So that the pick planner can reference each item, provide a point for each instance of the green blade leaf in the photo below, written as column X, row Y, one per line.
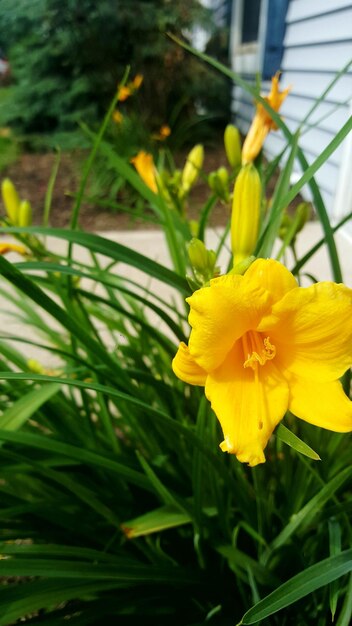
column 160, row 519
column 309, row 171
column 78, row 454
column 21, row 410
column 305, row 515
column 288, row 437
column 122, row 570
column 299, row 586
column 113, row 250
column 19, row 600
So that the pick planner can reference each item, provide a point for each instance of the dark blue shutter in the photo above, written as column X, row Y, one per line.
column 275, row 33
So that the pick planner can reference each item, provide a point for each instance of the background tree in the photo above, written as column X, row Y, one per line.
column 67, row 58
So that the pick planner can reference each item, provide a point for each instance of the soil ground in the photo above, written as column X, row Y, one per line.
column 31, row 173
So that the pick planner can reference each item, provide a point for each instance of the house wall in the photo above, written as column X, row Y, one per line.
column 317, row 44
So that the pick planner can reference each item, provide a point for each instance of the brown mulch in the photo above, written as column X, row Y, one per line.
column 31, row 173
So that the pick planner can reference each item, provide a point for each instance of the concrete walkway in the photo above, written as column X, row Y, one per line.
column 152, row 244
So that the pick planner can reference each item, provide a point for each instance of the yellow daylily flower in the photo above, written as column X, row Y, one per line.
column 12, row 247
column 128, row 90
column 124, row 93
column 262, row 122
column 164, row 133
column 117, row 116
column 144, row 164
column 262, row 345
column 137, row 81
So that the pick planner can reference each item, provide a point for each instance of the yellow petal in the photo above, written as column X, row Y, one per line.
column 145, row 167
column 272, row 276
column 117, row 116
column 248, row 403
column 12, row 247
column 124, row 93
column 313, row 331
column 262, row 121
column 255, row 138
column 276, row 97
column 137, row 81
column 186, row 368
column 321, row 404
column 222, row 313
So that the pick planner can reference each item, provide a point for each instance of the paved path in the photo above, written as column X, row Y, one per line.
column 152, row 244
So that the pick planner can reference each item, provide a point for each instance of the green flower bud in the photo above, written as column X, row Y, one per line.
column 245, row 213
column 35, row 366
column 24, row 213
column 219, row 183
column 194, row 227
column 233, row 149
column 241, row 267
column 10, row 199
column 202, row 261
column 160, row 181
column 286, row 223
column 302, row 213
column 223, row 176
column 212, row 181
column 198, row 255
column 192, row 168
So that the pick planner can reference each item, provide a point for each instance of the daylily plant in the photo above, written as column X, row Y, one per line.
column 262, row 122
column 262, row 345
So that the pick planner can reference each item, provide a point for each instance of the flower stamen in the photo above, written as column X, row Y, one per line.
column 257, row 350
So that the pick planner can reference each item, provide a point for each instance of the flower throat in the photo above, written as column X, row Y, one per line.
column 256, row 349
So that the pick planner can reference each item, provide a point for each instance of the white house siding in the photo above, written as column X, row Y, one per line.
column 317, row 44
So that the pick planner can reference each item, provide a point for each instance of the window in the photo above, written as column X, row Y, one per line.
column 258, row 29
column 250, row 20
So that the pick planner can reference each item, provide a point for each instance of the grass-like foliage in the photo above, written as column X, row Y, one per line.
column 117, row 505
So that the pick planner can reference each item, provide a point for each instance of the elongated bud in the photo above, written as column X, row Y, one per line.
column 198, row 254
column 289, row 226
column 35, row 366
column 223, row 176
column 202, row 261
column 24, row 213
column 302, row 214
column 286, row 224
column 212, row 181
column 161, row 186
column 192, row 168
column 219, row 183
column 233, row 149
column 194, row 227
column 10, row 199
column 245, row 213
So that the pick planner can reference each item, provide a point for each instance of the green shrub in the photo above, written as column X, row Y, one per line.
column 67, row 58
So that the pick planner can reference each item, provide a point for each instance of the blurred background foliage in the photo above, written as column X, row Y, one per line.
column 66, row 60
